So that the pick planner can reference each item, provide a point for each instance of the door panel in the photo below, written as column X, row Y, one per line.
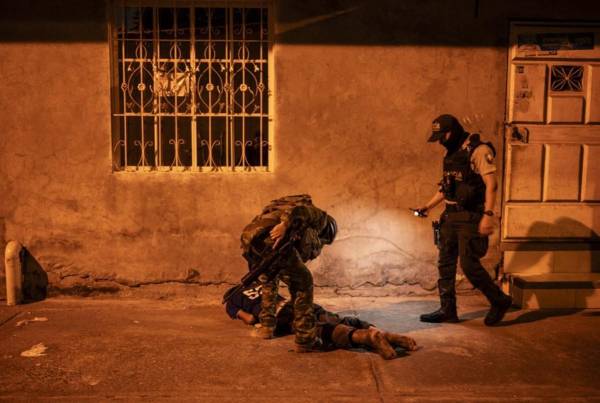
column 593, row 110
column 528, row 93
column 591, row 173
column 526, row 165
column 550, row 41
column 550, row 221
column 565, row 109
column 561, row 174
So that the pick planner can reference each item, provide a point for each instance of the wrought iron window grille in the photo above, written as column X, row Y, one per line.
column 192, row 88
column 566, row 78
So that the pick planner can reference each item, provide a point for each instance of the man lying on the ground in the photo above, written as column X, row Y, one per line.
column 333, row 331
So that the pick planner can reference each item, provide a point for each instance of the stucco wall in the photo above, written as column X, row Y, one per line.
column 356, row 90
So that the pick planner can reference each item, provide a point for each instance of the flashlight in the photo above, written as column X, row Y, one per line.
column 419, row 212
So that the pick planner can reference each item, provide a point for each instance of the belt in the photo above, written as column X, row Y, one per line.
column 455, row 208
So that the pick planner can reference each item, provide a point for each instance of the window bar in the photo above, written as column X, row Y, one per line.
column 175, row 56
column 116, row 142
column 261, row 92
column 123, row 86
column 209, row 56
column 140, row 54
column 244, row 163
column 192, row 87
column 156, row 100
column 161, row 68
column 270, row 86
column 228, row 92
column 233, row 132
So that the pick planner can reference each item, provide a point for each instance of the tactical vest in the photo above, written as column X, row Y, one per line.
column 460, row 183
column 255, row 236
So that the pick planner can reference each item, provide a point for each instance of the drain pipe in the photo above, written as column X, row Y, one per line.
column 14, row 274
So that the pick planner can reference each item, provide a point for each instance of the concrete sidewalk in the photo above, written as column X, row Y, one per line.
column 188, row 350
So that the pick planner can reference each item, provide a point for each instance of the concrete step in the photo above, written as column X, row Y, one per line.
column 555, row 290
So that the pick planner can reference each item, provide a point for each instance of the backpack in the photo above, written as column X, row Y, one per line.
column 255, row 235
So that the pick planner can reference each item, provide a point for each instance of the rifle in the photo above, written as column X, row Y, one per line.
column 266, row 265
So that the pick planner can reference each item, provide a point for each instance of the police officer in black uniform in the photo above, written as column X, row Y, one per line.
column 468, row 188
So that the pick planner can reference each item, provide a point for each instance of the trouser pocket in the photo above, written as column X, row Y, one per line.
column 478, row 246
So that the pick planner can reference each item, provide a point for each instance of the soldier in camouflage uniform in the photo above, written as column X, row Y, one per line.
column 263, row 234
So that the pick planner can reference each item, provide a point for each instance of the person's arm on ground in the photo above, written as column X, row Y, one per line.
column 246, row 317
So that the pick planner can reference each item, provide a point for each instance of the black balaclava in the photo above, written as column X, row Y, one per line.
column 456, row 139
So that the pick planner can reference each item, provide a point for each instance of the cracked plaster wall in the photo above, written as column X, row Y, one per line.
column 350, row 127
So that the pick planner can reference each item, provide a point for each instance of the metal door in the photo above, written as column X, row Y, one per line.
column 551, row 194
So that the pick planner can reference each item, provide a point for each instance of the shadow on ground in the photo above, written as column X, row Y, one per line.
column 592, row 313
column 534, row 316
column 404, row 317
column 401, row 317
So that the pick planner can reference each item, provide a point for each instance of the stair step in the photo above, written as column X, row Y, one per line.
column 555, row 290
column 557, row 280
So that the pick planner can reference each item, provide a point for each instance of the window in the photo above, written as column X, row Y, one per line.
column 191, row 88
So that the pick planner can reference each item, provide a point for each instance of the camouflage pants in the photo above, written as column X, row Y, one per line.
column 299, row 280
column 334, row 330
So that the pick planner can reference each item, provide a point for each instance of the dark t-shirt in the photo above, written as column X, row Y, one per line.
column 248, row 301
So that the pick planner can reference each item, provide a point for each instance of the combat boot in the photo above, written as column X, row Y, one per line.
column 265, row 332
column 446, row 313
column 314, row 347
column 498, row 310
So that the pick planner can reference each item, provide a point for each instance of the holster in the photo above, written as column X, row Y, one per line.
column 436, row 226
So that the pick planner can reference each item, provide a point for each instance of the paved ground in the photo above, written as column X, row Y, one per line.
column 188, row 350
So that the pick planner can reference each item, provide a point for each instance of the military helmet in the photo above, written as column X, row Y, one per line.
column 328, row 233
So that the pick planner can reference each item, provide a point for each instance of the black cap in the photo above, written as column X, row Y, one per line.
column 443, row 124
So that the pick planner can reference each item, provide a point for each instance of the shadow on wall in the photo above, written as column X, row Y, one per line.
column 3, row 248
column 34, row 286
column 348, row 22
column 572, row 235
column 35, row 279
column 575, row 235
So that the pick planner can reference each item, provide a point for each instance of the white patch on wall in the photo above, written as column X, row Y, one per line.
column 170, row 83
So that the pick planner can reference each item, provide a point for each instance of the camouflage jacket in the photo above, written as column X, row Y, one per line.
column 255, row 236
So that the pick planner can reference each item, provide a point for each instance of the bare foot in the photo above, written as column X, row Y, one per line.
column 379, row 342
column 397, row 340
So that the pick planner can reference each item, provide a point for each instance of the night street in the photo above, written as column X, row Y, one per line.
column 187, row 349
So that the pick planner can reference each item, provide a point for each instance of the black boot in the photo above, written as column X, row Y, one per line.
column 499, row 301
column 498, row 309
column 447, row 313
